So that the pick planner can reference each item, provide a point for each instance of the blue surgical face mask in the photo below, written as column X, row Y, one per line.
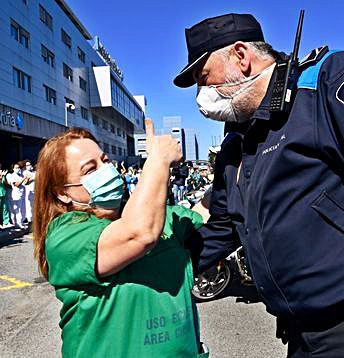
column 105, row 187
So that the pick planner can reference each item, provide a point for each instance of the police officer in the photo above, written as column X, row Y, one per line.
column 282, row 176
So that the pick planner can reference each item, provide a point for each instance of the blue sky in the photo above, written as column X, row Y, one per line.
column 146, row 38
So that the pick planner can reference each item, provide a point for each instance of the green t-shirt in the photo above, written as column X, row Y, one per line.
column 145, row 310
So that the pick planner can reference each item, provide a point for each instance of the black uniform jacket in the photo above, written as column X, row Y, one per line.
column 285, row 201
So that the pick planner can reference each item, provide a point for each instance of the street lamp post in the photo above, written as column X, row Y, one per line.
column 70, row 106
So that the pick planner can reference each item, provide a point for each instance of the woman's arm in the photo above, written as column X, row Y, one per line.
column 137, row 231
column 3, row 174
column 20, row 182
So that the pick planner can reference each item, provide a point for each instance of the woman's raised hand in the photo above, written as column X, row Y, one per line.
column 164, row 147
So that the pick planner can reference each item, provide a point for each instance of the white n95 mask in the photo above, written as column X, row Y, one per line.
column 215, row 105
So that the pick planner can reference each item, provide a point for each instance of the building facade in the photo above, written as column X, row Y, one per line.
column 54, row 75
column 140, row 138
column 140, row 145
column 187, row 137
column 170, row 122
column 173, row 125
column 191, row 144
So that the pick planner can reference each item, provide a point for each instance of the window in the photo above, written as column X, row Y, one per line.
column 81, row 55
column 131, row 109
column 14, row 30
column 21, row 79
column 112, row 128
column 114, row 88
column 45, row 17
column 67, row 72
column 82, row 83
column 66, row 39
column 105, row 124
column 20, row 34
column 24, row 38
column 106, row 147
column 50, row 94
column 84, row 113
column 114, row 149
column 119, row 131
column 126, row 106
column 119, row 150
column 24, row 2
column 69, row 108
column 48, row 56
column 95, row 120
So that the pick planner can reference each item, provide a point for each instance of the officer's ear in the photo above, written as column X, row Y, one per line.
column 243, row 54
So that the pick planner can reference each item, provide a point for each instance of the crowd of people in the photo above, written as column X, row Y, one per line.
column 187, row 178
column 16, row 195
column 17, row 188
column 129, row 175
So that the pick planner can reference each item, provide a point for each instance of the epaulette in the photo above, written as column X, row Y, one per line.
column 310, row 69
column 313, row 57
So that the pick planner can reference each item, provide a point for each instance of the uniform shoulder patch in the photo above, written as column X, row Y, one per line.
column 340, row 93
column 309, row 76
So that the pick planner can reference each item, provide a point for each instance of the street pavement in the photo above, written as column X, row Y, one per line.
column 234, row 326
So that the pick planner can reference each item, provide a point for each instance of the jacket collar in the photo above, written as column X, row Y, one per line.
column 263, row 111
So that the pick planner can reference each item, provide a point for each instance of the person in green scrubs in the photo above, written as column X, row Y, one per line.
column 4, row 212
column 124, row 278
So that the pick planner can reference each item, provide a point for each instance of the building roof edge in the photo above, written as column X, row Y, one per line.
column 68, row 11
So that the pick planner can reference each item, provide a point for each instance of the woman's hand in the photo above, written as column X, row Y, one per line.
column 164, row 148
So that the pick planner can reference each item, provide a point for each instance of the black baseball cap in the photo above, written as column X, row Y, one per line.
column 212, row 34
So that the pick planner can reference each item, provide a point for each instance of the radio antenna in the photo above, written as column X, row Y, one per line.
column 298, row 36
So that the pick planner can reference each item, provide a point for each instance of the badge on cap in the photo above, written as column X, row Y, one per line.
column 340, row 93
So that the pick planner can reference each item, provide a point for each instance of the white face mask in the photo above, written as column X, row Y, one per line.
column 215, row 105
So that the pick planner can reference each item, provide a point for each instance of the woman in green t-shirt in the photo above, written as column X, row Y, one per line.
column 124, row 280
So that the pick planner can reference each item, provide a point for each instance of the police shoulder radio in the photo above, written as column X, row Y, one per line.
column 287, row 76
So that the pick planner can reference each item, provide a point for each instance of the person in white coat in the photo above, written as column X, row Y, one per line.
column 17, row 196
column 29, row 173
